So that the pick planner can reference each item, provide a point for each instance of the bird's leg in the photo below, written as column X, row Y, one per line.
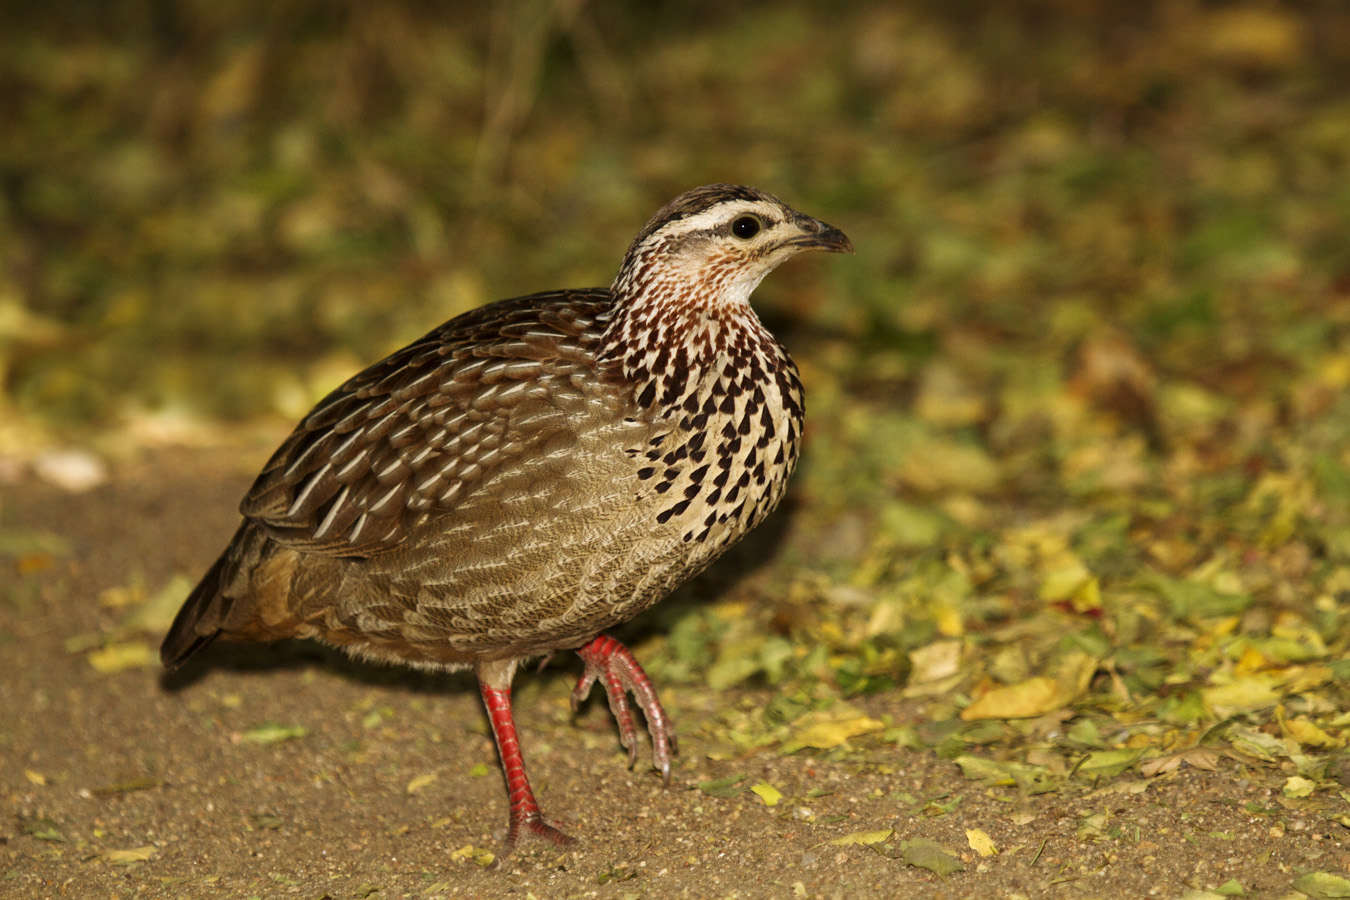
column 526, row 819
column 611, row 662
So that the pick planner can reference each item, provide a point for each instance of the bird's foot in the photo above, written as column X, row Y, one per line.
column 532, row 824
column 613, row 665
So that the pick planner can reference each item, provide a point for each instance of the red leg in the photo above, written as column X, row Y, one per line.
column 612, row 663
column 525, row 814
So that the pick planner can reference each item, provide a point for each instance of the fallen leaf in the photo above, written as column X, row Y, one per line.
column 1199, row 757
column 723, row 787
column 420, row 782
column 1028, row 778
column 119, row 657
column 862, row 837
column 825, row 735
column 1254, row 692
column 935, row 661
column 127, row 787
column 44, row 829
column 768, row 793
column 1323, row 886
column 1296, row 786
column 122, row 597
column 1107, row 763
column 271, row 733
column 1131, row 786
column 980, row 842
column 483, row 858
column 1308, row 734
column 1258, row 744
column 925, row 854
column 129, row 857
column 1023, row 700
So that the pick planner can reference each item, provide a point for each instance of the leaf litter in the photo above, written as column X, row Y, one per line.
column 1077, row 462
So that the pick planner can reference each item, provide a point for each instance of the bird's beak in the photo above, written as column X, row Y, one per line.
column 819, row 236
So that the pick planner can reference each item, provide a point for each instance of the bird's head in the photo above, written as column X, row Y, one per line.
column 713, row 245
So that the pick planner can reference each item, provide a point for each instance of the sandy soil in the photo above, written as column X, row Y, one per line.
column 397, row 772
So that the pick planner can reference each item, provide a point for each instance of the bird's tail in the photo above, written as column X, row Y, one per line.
column 204, row 612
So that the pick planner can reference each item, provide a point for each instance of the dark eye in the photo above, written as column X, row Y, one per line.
column 745, row 227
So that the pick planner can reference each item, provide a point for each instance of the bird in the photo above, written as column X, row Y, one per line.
column 530, row 474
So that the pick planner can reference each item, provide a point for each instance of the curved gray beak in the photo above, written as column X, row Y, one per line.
column 820, row 236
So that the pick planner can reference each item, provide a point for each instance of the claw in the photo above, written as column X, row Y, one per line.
column 582, row 690
column 534, row 825
column 613, row 665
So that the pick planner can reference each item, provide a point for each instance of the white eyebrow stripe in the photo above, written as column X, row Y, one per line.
column 714, row 216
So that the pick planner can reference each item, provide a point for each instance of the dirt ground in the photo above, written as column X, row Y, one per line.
column 138, row 784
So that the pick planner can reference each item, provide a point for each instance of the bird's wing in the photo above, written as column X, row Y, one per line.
column 410, row 436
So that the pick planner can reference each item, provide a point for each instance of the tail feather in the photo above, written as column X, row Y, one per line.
column 198, row 622
column 204, row 612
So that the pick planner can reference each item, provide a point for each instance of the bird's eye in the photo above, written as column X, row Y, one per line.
column 745, row 227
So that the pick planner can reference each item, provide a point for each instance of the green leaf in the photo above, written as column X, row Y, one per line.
column 925, row 854
column 1323, row 886
column 723, row 787
column 1030, row 779
column 1191, row 600
column 1107, row 763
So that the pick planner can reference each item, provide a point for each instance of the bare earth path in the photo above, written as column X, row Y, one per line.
column 123, row 783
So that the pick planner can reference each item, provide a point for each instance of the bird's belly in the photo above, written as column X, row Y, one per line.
column 539, row 562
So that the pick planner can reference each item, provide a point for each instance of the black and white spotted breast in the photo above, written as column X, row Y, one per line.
column 733, row 440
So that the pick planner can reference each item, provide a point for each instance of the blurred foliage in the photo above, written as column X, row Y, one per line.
column 1078, row 472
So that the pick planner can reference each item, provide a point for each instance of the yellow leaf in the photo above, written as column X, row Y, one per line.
column 863, row 838
column 272, row 733
column 127, row 857
column 768, row 793
column 980, row 842
column 1297, row 786
column 1065, row 583
column 950, row 622
column 482, row 857
column 831, row 733
column 1241, row 695
column 123, row 656
column 420, row 782
column 122, row 597
column 1298, row 679
column 35, row 777
column 1039, row 695
column 1308, row 734
column 1033, row 697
